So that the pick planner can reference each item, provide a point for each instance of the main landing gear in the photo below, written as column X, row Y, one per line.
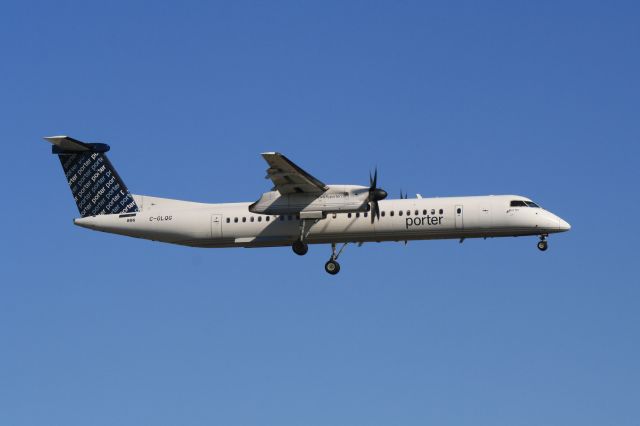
column 332, row 266
column 299, row 247
column 542, row 244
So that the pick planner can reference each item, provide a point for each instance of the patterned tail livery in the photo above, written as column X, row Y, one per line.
column 96, row 186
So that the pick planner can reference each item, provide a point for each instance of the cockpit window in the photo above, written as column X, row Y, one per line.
column 522, row 203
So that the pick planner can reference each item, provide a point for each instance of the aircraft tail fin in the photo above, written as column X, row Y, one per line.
column 96, row 186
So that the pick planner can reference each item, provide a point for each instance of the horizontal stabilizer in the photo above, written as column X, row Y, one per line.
column 68, row 145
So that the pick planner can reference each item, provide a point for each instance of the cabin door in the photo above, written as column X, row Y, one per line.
column 459, row 211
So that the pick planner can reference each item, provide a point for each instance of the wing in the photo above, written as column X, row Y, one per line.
column 288, row 178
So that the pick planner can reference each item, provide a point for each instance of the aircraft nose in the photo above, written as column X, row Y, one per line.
column 563, row 225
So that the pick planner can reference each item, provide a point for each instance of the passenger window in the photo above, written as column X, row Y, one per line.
column 349, row 215
column 441, row 211
column 235, row 220
column 399, row 212
column 424, row 212
column 459, row 210
column 335, row 215
column 417, row 212
column 290, row 217
column 244, row 219
column 408, row 212
column 228, row 220
column 259, row 218
column 391, row 213
column 358, row 214
column 382, row 213
column 366, row 214
column 433, row 211
column 281, row 218
column 251, row 219
column 267, row 218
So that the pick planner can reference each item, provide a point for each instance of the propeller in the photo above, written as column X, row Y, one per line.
column 403, row 196
column 375, row 194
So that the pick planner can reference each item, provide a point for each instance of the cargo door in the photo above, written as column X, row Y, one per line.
column 216, row 226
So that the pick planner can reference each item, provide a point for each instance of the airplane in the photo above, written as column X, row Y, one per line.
column 299, row 210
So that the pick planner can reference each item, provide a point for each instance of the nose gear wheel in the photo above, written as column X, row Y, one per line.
column 542, row 244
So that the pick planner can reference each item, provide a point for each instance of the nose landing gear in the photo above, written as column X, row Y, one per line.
column 542, row 244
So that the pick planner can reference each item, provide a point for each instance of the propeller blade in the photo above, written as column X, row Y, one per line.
column 374, row 185
column 375, row 210
column 372, row 210
column 375, row 194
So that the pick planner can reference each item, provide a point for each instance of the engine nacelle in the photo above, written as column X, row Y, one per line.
column 337, row 199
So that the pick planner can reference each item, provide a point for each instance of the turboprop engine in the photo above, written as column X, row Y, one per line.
column 336, row 199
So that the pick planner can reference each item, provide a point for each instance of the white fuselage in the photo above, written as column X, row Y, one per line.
column 233, row 225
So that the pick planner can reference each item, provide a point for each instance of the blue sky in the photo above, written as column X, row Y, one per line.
column 446, row 98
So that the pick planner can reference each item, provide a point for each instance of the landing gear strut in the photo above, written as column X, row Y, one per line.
column 542, row 244
column 299, row 246
column 332, row 266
